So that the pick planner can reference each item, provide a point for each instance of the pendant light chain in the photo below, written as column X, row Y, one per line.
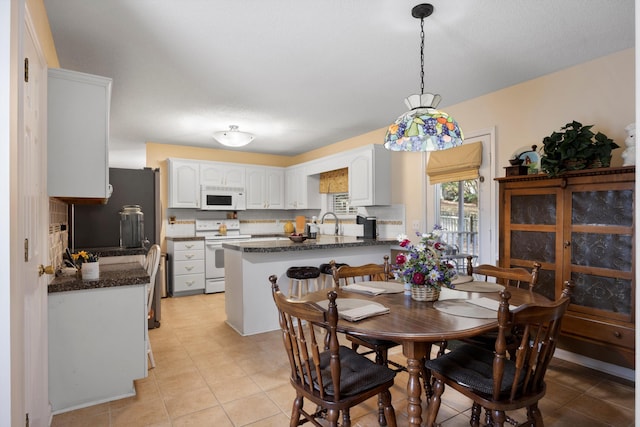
column 423, row 127
column 422, row 56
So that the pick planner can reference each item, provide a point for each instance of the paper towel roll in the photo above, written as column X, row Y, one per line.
column 301, row 221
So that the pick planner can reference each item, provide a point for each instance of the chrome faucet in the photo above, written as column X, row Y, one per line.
column 337, row 221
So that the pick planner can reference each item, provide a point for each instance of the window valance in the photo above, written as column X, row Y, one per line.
column 335, row 181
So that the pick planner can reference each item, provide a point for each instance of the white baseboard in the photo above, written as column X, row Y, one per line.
column 609, row 368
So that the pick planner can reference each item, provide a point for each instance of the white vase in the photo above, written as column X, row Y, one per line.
column 90, row 270
column 407, row 288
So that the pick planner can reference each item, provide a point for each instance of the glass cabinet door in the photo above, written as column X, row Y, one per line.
column 534, row 223
column 599, row 248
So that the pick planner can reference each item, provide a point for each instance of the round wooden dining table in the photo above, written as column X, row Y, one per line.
column 418, row 324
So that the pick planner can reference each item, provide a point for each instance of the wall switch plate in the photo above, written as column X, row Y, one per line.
column 416, row 225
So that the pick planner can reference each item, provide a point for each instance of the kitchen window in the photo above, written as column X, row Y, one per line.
column 339, row 204
column 466, row 206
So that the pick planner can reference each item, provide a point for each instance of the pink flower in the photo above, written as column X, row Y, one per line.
column 405, row 242
column 401, row 259
column 439, row 246
column 418, row 279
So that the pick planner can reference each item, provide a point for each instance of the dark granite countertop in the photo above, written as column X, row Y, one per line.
column 111, row 275
column 184, row 239
column 114, row 251
column 323, row 242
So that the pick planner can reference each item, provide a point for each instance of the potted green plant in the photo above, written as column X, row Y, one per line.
column 602, row 151
column 575, row 147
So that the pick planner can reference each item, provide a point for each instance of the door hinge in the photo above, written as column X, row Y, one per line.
column 26, row 70
column 26, row 421
column 26, row 250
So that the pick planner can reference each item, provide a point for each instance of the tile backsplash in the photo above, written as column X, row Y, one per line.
column 390, row 221
column 58, row 231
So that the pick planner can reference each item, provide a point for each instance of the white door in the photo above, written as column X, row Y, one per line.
column 476, row 230
column 33, row 228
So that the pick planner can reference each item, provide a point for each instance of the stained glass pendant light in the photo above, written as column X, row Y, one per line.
column 423, row 127
column 233, row 137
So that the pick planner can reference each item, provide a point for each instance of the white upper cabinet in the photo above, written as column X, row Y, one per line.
column 184, row 183
column 302, row 191
column 265, row 188
column 78, row 135
column 370, row 177
column 222, row 174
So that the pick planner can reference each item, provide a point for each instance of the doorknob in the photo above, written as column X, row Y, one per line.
column 567, row 243
column 45, row 270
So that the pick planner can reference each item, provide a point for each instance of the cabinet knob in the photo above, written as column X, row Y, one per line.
column 617, row 334
column 567, row 244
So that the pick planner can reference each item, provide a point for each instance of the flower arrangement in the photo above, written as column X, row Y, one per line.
column 421, row 265
column 83, row 256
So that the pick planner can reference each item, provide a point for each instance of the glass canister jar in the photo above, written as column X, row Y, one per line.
column 131, row 226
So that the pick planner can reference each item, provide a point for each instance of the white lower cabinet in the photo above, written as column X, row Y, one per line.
column 96, row 345
column 186, row 267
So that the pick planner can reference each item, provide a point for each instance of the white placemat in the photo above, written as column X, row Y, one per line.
column 489, row 303
column 461, row 307
column 375, row 287
column 352, row 309
column 478, row 287
column 461, row 278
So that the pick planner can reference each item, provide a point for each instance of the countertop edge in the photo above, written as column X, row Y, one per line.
column 111, row 275
column 310, row 244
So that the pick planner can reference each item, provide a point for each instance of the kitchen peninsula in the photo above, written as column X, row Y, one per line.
column 97, row 336
column 249, row 305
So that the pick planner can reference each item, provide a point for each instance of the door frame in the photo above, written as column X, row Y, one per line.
column 487, row 195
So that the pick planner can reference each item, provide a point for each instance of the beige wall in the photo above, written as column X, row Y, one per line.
column 599, row 92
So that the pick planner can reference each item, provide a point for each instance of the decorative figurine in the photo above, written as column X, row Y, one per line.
column 629, row 154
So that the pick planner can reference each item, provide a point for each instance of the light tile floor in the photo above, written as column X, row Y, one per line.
column 208, row 375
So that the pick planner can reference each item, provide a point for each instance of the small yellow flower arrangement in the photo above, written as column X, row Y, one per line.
column 83, row 256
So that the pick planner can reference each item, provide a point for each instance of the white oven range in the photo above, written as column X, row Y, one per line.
column 215, row 232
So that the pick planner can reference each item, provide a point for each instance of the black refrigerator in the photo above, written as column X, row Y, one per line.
column 98, row 226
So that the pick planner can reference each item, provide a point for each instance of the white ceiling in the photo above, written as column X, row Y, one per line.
column 301, row 74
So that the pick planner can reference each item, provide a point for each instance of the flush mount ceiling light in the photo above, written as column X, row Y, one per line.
column 233, row 137
column 423, row 128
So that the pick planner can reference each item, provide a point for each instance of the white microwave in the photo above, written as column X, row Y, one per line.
column 215, row 198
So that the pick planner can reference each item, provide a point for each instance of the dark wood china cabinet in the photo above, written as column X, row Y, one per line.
column 579, row 226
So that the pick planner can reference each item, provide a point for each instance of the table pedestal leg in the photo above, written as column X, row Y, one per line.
column 415, row 353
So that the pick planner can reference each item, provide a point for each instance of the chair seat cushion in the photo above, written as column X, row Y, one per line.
column 302, row 273
column 326, row 268
column 472, row 367
column 357, row 375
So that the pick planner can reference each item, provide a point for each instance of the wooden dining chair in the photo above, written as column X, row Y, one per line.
column 346, row 275
column 336, row 378
column 518, row 277
column 492, row 379
column 151, row 263
column 514, row 276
